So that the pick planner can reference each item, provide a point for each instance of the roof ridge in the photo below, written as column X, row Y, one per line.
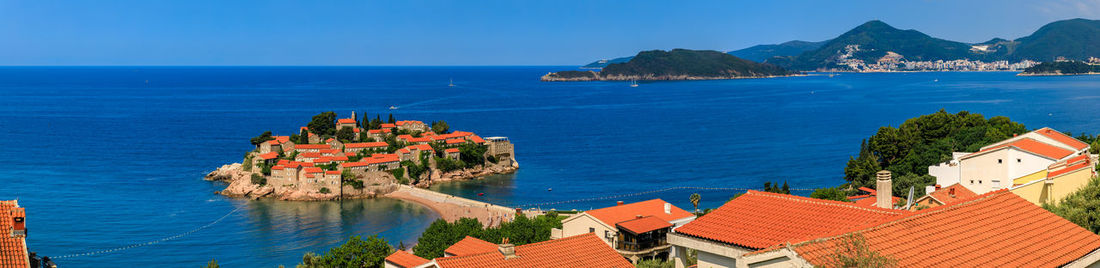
column 519, row 246
column 825, row 202
column 900, row 218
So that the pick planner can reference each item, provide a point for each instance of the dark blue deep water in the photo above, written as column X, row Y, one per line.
column 107, row 157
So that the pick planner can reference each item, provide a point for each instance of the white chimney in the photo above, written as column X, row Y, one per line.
column 507, row 249
column 668, row 208
column 884, row 194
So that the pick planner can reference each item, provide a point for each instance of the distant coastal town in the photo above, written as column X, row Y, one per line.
column 354, row 157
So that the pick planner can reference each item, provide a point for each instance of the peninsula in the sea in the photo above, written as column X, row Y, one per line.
column 677, row 64
column 1064, row 67
column 355, row 157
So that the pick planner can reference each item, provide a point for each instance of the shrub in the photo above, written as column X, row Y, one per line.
column 258, row 180
column 325, row 190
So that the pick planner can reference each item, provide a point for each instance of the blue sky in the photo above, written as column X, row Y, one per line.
column 519, row 32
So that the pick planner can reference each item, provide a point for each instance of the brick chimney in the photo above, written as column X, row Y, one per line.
column 884, row 192
column 18, row 223
column 508, row 249
column 668, row 208
column 938, row 187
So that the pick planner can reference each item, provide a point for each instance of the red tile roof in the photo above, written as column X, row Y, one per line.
column 403, row 122
column 470, row 245
column 309, row 155
column 13, row 252
column 376, row 131
column 282, row 139
column 948, row 197
column 451, row 150
column 1063, row 138
column 477, row 139
column 1071, row 168
column 455, row 141
column 758, row 219
column 345, row 121
column 872, row 199
column 388, row 125
column 312, row 146
column 998, row 229
column 405, row 259
column 382, row 158
column 1029, row 145
column 585, row 250
column 367, row 144
column 269, row 156
column 644, row 224
column 653, row 207
column 332, row 172
column 313, row 170
column 354, row 164
column 424, row 147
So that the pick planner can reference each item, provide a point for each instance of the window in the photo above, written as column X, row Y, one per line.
column 971, row 181
column 999, row 161
column 1019, row 160
column 996, row 184
column 591, row 230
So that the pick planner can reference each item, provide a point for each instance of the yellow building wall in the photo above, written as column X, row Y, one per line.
column 1035, row 193
column 1042, row 174
column 1069, row 183
column 1041, row 192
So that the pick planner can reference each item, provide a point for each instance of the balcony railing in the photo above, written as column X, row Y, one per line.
column 639, row 246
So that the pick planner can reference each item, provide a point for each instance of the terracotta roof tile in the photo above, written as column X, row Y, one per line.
column 758, row 219
column 653, row 207
column 312, row 146
column 948, row 197
column 388, row 125
column 451, row 150
column 470, row 245
column 13, row 252
column 1028, row 145
column 998, row 229
column 1063, row 138
column 585, row 250
column 644, row 224
column 269, row 156
column 376, row 144
column 345, row 121
column 405, row 259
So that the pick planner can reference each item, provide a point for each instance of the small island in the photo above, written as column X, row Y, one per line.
column 345, row 158
column 678, row 64
column 1063, row 67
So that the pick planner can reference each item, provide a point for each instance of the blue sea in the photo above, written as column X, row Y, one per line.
column 109, row 161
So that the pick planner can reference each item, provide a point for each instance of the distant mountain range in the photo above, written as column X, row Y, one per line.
column 677, row 64
column 1075, row 39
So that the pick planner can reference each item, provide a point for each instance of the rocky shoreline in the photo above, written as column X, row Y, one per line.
column 376, row 184
column 1056, row 74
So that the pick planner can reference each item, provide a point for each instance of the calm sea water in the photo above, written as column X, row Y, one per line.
column 107, row 157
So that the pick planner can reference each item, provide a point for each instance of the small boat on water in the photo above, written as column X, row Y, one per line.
column 393, row 107
column 452, row 84
column 633, row 83
column 480, row 194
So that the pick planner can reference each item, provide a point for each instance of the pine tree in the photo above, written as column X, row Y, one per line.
column 392, row 120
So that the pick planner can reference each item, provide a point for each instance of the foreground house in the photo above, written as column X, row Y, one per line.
column 997, row 229
column 404, row 259
column 469, row 246
column 636, row 230
column 585, row 250
column 758, row 220
column 13, row 234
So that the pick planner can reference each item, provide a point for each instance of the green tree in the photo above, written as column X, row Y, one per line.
column 392, row 120
column 303, row 137
column 440, row 127
column 695, row 197
column 356, row 252
column 212, row 264
column 266, row 136
column 376, row 123
column 346, row 134
column 258, row 180
column 323, row 124
column 654, row 263
column 830, row 193
column 520, row 231
column 853, row 250
column 1081, row 207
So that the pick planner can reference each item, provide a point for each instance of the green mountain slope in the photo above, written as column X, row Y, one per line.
column 677, row 64
column 874, row 39
column 759, row 53
column 1074, row 39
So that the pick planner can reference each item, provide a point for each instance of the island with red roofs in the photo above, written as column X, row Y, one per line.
column 354, row 157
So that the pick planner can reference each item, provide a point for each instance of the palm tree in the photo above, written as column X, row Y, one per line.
column 695, row 201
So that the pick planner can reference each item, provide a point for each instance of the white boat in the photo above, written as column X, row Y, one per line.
column 633, row 83
column 393, row 107
column 452, row 84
